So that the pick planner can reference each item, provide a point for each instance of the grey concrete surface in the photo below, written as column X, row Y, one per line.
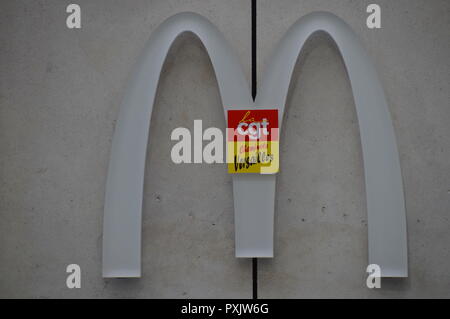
column 59, row 96
column 320, row 219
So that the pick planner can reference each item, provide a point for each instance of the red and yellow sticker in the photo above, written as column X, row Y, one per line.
column 252, row 141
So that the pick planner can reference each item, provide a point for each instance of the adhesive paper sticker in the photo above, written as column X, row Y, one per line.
column 252, row 141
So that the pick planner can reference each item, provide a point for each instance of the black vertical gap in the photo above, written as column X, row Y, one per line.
column 254, row 260
column 253, row 49
column 255, row 277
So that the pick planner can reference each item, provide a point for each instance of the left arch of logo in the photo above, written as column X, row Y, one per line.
column 254, row 195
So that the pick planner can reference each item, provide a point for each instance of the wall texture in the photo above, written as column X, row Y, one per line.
column 59, row 97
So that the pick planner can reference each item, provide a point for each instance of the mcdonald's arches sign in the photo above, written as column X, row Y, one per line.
column 254, row 194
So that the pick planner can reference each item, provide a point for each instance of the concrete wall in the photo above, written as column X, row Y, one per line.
column 60, row 93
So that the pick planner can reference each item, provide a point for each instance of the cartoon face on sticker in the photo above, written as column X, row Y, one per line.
column 252, row 141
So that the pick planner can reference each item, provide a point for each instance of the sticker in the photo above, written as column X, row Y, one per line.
column 252, row 141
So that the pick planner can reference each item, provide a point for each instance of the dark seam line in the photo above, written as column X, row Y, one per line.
column 254, row 260
column 253, row 49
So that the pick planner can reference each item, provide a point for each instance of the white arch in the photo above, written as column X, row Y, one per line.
column 384, row 186
column 254, row 195
column 124, row 186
